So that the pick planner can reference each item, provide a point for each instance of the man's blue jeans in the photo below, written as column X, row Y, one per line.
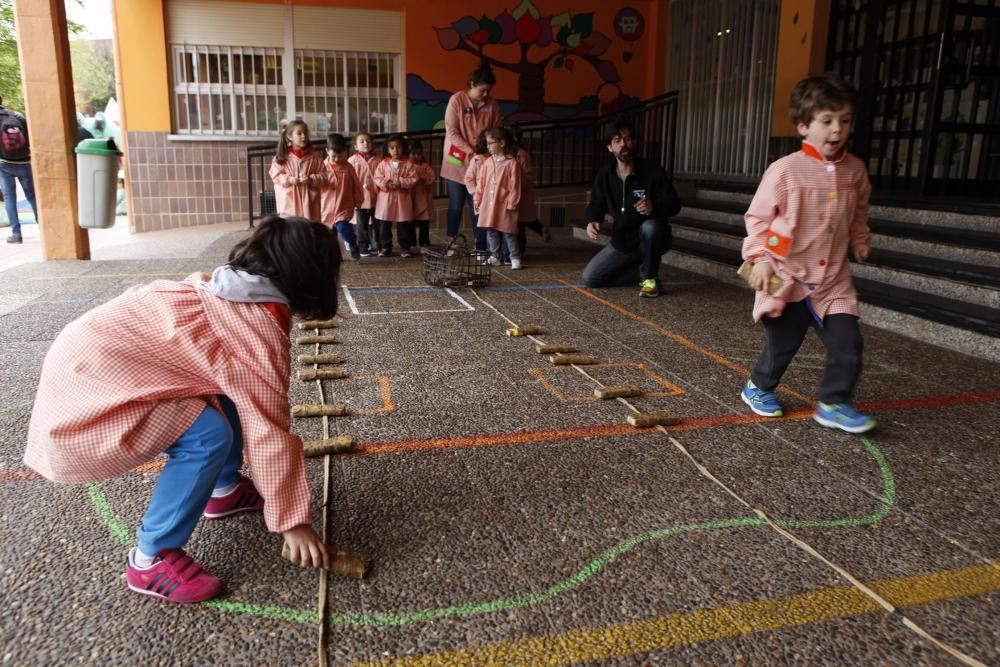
column 8, row 172
column 612, row 267
column 458, row 196
column 206, row 457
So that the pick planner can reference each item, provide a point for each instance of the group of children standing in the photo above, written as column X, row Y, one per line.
column 363, row 194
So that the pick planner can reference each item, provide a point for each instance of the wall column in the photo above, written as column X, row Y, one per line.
column 802, row 36
column 43, row 50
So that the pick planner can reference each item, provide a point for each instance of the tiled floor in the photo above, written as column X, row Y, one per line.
column 510, row 520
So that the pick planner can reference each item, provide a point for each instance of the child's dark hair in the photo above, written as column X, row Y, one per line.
column 501, row 132
column 820, row 92
column 301, row 258
column 414, row 145
column 482, row 75
column 614, row 129
column 395, row 137
column 480, row 147
column 336, row 142
column 516, row 136
column 282, row 153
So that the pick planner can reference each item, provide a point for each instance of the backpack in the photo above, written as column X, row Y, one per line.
column 13, row 136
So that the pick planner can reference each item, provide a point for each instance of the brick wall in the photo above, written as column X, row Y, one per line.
column 185, row 183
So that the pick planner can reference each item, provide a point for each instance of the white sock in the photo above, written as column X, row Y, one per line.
column 138, row 559
column 225, row 490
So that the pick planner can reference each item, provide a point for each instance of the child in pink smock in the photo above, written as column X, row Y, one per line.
column 497, row 196
column 342, row 194
column 810, row 210
column 395, row 178
column 423, row 194
column 197, row 370
column 364, row 161
column 298, row 175
column 527, row 213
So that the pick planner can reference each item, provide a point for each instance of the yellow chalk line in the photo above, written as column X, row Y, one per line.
column 665, row 632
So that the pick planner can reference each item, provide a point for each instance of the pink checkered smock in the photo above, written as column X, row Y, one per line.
column 807, row 213
column 121, row 383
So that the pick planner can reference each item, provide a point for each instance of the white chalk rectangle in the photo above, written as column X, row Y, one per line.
column 354, row 306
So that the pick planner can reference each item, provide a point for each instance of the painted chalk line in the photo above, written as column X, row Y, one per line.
column 809, row 549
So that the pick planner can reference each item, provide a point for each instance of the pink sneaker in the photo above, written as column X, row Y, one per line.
column 175, row 577
column 244, row 498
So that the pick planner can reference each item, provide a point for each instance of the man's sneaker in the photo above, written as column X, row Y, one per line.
column 14, row 239
column 649, row 288
column 384, row 252
column 405, row 254
column 244, row 498
column 492, row 261
column 175, row 577
column 355, row 256
column 764, row 403
column 844, row 417
column 515, row 264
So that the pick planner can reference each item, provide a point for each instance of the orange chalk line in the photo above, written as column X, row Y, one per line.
column 596, row 430
column 681, row 339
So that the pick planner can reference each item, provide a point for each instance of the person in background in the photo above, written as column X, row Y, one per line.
column 15, row 164
column 498, row 194
column 395, row 178
column 298, row 174
column 469, row 112
column 364, row 161
column 640, row 197
column 342, row 194
column 423, row 195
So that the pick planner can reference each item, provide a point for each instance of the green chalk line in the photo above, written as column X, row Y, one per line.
column 384, row 619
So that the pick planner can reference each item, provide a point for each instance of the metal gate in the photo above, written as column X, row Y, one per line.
column 722, row 58
column 929, row 76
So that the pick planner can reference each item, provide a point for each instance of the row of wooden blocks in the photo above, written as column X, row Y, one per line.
column 565, row 355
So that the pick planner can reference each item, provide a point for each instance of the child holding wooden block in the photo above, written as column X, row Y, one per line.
column 195, row 370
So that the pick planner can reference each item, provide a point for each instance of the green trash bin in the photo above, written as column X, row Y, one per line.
column 96, row 182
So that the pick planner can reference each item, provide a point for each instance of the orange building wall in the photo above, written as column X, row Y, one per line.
column 801, row 51
column 143, row 84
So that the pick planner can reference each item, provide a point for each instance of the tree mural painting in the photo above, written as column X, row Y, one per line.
column 566, row 39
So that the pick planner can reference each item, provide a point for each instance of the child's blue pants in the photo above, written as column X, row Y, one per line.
column 207, row 456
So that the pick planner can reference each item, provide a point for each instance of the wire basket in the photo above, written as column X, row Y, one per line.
column 454, row 265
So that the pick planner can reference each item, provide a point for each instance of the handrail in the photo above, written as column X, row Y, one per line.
column 564, row 152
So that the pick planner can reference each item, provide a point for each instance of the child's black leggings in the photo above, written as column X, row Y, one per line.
column 840, row 334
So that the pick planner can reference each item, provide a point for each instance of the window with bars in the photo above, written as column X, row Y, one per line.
column 223, row 90
column 347, row 91
column 240, row 91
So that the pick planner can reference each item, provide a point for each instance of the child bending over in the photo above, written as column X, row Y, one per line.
column 196, row 370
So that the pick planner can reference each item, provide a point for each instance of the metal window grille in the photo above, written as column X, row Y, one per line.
column 347, row 91
column 722, row 62
column 223, row 90
column 239, row 91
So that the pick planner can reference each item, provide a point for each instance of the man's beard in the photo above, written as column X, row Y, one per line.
column 624, row 156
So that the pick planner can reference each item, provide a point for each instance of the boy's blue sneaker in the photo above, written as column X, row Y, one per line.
column 844, row 417
column 764, row 403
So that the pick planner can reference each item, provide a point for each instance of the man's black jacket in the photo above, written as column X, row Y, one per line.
column 617, row 197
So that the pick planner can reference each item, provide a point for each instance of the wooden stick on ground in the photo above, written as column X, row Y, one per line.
column 618, row 391
column 316, row 340
column 316, row 324
column 320, row 359
column 525, row 330
column 568, row 359
column 323, row 374
column 650, row 419
column 320, row 410
column 341, row 443
column 553, row 348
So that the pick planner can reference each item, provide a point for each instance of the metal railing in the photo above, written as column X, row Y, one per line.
column 564, row 153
